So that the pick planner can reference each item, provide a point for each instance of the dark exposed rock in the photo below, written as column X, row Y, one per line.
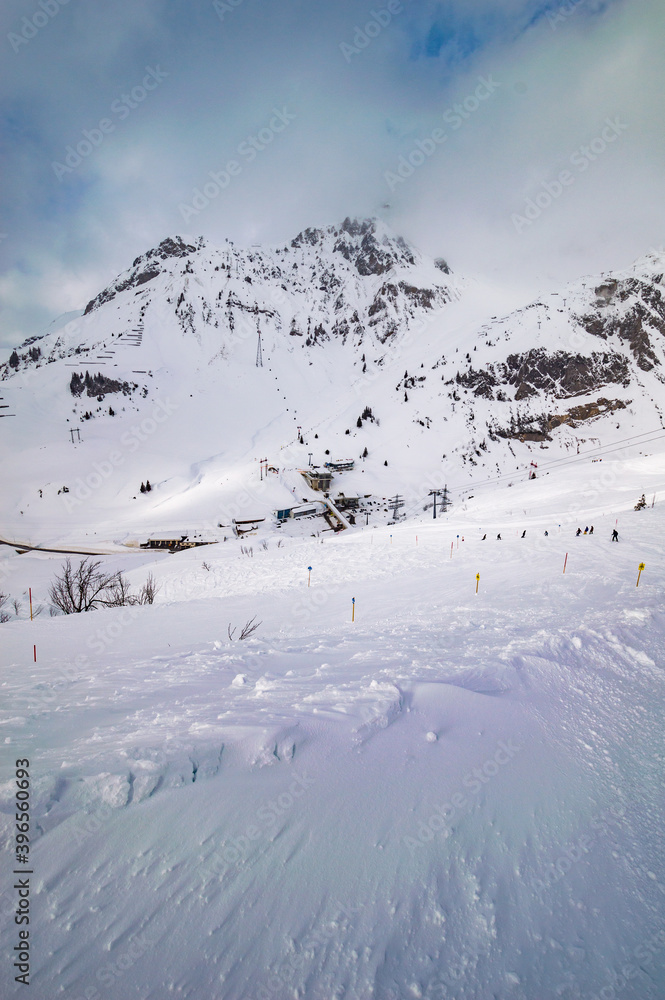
column 538, row 427
column 646, row 316
column 144, row 269
column 560, row 374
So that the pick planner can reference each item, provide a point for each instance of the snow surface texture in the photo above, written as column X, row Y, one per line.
column 456, row 795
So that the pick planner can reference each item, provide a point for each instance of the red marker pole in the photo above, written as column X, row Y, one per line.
column 451, row 549
column 564, row 562
column 34, row 652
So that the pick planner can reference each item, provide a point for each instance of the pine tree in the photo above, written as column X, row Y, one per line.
column 142, row 487
column 13, row 359
column 148, row 487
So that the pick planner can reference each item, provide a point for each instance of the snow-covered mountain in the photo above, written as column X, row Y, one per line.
column 369, row 349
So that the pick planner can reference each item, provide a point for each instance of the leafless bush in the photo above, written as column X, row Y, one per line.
column 4, row 615
column 118, row 594
column 87, row 588
column 148, row 591
column 204, row 565
column 247, row 629
column 82, row 589
column 16, row 604
column 264, row 545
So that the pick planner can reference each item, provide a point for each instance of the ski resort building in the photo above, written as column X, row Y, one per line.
column 176, row 540
column 317, row 479
column 341, row 465
column 298, row 511
column 347, row 503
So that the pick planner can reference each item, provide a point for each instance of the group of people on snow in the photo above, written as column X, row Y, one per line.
column 587, row 531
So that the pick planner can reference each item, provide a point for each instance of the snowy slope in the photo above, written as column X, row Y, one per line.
column 457, row 385
column 456, row 795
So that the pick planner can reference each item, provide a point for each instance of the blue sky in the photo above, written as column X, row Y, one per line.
column 363, row 87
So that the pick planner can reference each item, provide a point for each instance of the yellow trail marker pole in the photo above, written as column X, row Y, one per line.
column 477, row 581
column 639, row 573
column 353, row 609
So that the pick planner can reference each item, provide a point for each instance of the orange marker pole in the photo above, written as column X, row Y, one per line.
column 564, row 562
column 353, row 609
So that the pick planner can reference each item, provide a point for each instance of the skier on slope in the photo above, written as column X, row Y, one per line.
column 498, row 538
column 615, row 535
column 524, row 533
column 578, row 533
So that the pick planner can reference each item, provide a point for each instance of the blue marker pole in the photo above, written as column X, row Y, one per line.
column 353, row 609
column 309, row 576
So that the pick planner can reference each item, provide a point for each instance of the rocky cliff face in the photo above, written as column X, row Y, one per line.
column 355, row 305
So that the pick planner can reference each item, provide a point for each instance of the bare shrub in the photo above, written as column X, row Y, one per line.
column 118, row 594
column 148, row 591
column 82, row 589
column 249, row 627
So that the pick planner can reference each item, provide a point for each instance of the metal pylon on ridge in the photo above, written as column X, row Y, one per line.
column 259, row 352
